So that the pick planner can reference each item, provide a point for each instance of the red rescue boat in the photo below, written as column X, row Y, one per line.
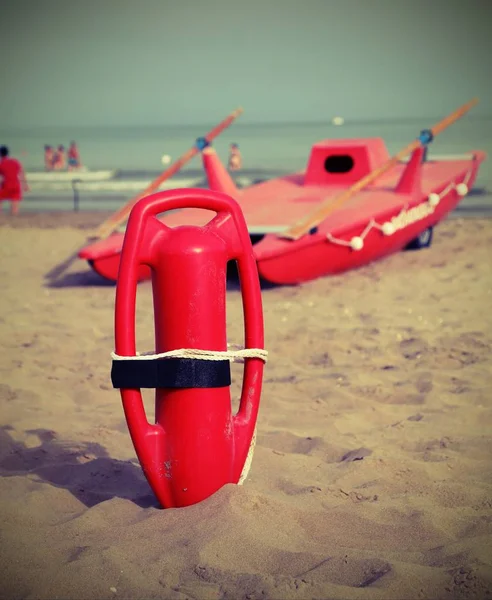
column 388, row 205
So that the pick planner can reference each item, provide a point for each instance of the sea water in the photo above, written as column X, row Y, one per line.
column 268, row 150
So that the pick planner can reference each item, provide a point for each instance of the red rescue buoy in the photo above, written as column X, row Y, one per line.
column 196, row 444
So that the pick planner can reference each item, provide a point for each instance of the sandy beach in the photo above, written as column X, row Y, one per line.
column 372, row 474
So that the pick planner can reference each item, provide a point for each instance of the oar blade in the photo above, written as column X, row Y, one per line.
column 58, row 270
column 450, row 119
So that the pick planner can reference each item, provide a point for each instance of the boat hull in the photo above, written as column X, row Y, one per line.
column 108, row 267
column 376, row 223
column 285, row 262
column 322, row 258
column 301, row 262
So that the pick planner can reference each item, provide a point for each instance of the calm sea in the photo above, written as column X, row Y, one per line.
column 268, row 150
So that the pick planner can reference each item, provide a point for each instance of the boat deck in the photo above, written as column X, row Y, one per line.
column 273, row 206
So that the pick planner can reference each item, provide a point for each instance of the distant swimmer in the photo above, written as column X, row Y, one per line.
column 48, row 157
column 13, row 180
column 73, row 157
column 59, row 159
column 235, row 159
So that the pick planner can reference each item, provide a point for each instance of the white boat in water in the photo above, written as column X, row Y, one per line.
column 68, row 176
column 122, row 186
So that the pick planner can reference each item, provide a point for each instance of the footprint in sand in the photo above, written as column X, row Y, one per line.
column 413, row 392
column 413, row 348
column 470, row 582
column 284, row 442
column 321, row 360
column 287, row 443
column 7, row 393
column 454, row 351
column 459, row 386
column 402, row 398
column 350, row 572
column 440, row 556
column 423, row 383
column 403, row 393
column 345, row 571
column 436, row 445
column 292, row 489
column 357, row 454
column 77, row 552
column 21, row 397
column 251, row 586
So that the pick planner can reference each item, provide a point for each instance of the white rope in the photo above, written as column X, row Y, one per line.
column 233, row 355
column 447, row 189
column 248, row 461
column 335, row 240
column 372, row 223
column 388, row 228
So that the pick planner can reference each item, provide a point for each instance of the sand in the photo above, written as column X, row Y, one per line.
column 372, row 475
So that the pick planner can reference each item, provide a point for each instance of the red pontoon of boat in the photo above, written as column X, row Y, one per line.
column 399, row 209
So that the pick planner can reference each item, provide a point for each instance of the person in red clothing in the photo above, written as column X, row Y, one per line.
column 13, row 180
column 73, row 157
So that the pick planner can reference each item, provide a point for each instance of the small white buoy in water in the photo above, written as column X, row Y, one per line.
column 338, row 120
column 166, row 159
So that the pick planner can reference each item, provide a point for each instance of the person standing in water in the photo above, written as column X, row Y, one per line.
column 73, row 157
column 13, row 180
column 59, row 161
column 48, row 157
column 235, row 159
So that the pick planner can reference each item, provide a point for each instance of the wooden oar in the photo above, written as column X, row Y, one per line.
column 120, row 216
column 328, row 206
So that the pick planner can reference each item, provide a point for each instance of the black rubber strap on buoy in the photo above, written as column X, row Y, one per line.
column 170, row 373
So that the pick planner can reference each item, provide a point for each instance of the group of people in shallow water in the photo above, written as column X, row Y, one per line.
column 13, row 181
column 56, row 159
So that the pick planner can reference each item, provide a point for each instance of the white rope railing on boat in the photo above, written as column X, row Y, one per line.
column 406, row 216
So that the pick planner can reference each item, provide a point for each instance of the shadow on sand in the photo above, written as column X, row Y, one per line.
column 84, row 469
column 90, row 278
column 87, row 278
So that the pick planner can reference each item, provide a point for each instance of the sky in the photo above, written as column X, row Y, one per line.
column 160, row 62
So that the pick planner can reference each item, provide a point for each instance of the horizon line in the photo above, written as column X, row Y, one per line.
column 348, row 120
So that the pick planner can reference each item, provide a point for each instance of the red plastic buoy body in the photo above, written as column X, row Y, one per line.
column 196, row 444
